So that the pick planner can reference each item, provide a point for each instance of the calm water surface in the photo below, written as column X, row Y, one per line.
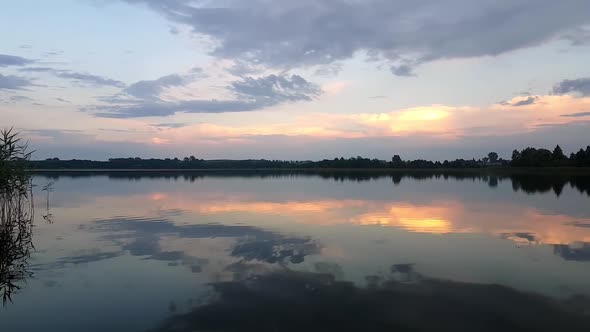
column 136, row 253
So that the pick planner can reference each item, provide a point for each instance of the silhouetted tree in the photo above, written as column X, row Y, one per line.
column 558, row 154
column 515, row 155
column 531, row 157
column 493, row 156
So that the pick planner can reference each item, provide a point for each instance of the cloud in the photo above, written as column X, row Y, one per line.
column 174, row 30
column 11, row 82
column 402, row 70
column 329, row 70
column 250, row 94
column 580, row 85
column 80, row 78
column 53, row 53
column 528, row 101
column 63, row 100
column 56, row 133
column 412, row 127
column 579, row 37
column 150, row 90
column 37, row 69
column 160, row 108
column 520, row 101
column 575, row 115
column 15, row 99
column 290, row 34
column 93, row 80
column 275, row 89
column 11, row 60
column 170, row 125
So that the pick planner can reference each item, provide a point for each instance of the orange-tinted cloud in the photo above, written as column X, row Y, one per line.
column 438, row 121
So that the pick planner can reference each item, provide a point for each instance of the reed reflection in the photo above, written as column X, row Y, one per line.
column 16, row 233
column 16, row 215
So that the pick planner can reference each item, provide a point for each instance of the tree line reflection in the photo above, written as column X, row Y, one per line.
column 528, row 182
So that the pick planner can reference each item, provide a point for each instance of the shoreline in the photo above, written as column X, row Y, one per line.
column 491, row 170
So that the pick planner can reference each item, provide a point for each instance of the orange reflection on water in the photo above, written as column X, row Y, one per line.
column 520, row 223
column 422, row 219
column 289, row 207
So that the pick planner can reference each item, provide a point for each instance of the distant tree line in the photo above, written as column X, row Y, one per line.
column 194, row 163
column 529, row 157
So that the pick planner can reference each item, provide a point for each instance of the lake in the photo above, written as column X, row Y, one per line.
column 284, row 251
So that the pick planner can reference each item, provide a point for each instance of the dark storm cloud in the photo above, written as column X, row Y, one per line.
column 580, row 85
column 11, row 82
column 574, row 115
column 12, row 60
column 251, row 94
column 290, row 34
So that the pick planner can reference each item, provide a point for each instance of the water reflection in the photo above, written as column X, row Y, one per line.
column 308, row 301
column 531, row 183
column 522, row 224
column 142, row 237
column 579, row 251
column 311, row 251
column 16, row 232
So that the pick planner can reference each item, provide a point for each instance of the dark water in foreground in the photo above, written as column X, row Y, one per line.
column 132, row 252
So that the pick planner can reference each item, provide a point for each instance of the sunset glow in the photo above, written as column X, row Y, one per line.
column 200, row 92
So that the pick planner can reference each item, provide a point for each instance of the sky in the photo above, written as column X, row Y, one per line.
column 295, row 79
